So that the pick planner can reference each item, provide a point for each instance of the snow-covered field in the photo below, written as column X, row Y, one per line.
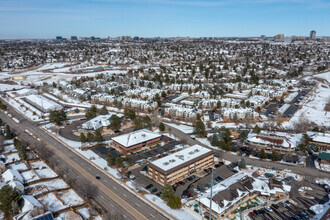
column 313, row 109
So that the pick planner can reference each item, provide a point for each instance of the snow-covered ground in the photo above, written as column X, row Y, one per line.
column 179, row 214
column 320, row 210
column 325, row 76
column 184, row 128
column 7, row 87
column 325, row 167
column 313, row 109
column 47, row 186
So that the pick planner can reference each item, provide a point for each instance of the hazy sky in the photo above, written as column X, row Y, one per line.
column 165, row 18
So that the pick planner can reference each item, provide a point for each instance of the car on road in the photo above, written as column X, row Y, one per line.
column 154, row 190
column 149, row 186
column 97, row 177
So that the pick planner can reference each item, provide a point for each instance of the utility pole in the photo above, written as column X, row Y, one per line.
column 211, row 194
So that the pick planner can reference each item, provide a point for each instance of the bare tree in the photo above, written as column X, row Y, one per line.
column 87, row 190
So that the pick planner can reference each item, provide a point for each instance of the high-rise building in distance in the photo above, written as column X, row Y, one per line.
column 312, row 35
column 74, row 38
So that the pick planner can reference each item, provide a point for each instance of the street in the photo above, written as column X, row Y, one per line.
column 111, row 195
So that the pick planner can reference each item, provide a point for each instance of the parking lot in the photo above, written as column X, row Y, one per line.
column 192, row 186
column 103, row 150
column 295, row 209
column 154, row 151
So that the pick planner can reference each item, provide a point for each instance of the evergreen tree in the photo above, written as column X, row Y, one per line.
column 9, row 135
column 256, row 129
column 104, row 110
column 110, row 159
column 98, row 136
column 83, row 138
column 243, row 135
column 200, row 128
column 167, row 192
column 90, row 137
column 242, row 163
column 262, row 154
column 129, row 114
column 119, row 162
column 115, row 122
column 275, row 156
column 8, row 197
column 161, row 126
column 215, row 140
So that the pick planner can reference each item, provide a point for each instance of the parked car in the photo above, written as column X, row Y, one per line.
column 97, row 177
column 154, row 190
column 149, row 186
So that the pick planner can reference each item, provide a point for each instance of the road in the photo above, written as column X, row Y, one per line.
column 111, row 195
column 306, row 171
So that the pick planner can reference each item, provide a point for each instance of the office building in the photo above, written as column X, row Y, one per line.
column 180, row 165
column 136, row 139
column 74, row 38
column 312, row 35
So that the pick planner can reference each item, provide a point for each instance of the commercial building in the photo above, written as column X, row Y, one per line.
column 180, row 165
column 42, row 103
column 320, row 140
column 136, row 139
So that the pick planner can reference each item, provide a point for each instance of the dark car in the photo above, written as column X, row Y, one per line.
column 97, row 177
column 149, row 186
column 154, row 190
column 158, row 194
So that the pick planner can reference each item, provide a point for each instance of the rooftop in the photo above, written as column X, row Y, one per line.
column 180, row 157
column 135, row 137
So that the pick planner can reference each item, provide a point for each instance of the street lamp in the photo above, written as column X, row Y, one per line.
column 212, row 168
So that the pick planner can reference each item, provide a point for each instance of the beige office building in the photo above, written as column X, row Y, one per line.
column 180, row 165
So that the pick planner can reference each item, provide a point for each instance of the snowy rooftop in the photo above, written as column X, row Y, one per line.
column 321, row 137
column 136, row 137
column 180, row 157
column 44, row 102
column 99, row 121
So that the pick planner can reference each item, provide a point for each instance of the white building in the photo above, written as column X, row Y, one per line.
column 98, row 122
column 43, row 103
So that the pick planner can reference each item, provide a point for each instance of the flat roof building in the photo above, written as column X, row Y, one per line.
column 42, row 103
column 136, row 139
column 180, row 165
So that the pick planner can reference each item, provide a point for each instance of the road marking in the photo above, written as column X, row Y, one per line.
column 124, row 195
column 116, row 196
column 152, row 215
column 102, row 197
column 111, row 205
column 114, row 187
column 105, row 181
column 89, row 169
column 138, row 204
column 124, row 215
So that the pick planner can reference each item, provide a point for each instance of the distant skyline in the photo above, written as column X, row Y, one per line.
column 36, row 19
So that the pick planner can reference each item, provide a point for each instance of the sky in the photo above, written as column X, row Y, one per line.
column 36, row 19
